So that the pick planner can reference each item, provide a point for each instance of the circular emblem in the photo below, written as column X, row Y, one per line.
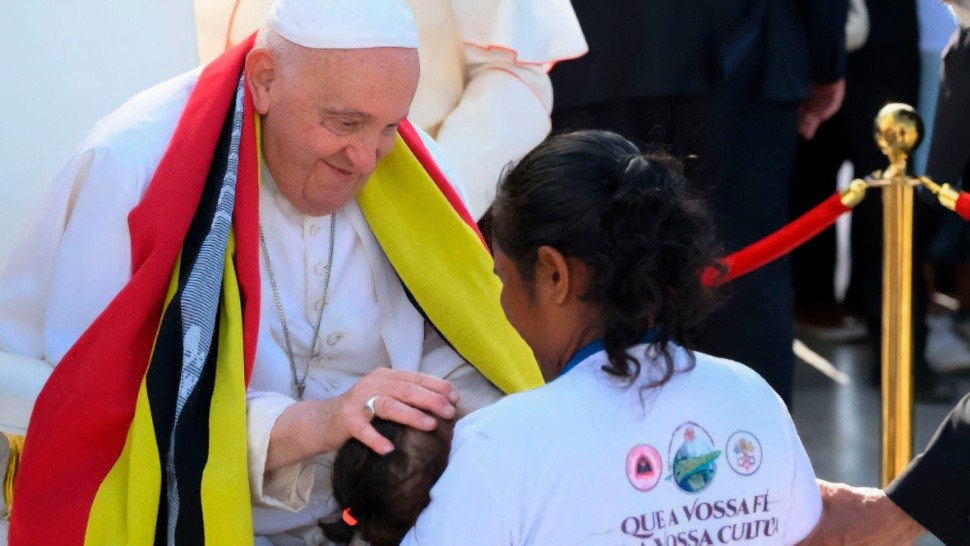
column 693, row 459
column 643, row 467
column 743, row 453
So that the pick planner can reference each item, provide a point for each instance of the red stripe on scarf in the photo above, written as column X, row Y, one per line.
column 246, row 225
column 420, row 151
column 81, row 418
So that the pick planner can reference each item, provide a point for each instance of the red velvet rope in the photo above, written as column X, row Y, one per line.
column 781, row 242
column 963, row 205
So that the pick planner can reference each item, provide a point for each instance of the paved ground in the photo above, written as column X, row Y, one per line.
column 839, row 423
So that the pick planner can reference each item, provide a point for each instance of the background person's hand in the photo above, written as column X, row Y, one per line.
column 861, row 516
column 822, row 103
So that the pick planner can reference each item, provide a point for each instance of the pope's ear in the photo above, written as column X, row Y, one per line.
column 260, row 71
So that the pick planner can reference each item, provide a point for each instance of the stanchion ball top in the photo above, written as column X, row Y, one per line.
column 898, row 129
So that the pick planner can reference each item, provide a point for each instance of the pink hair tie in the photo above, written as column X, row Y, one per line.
column 349, row 519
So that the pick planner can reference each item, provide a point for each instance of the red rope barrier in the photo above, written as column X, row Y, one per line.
column 780, row 242
column 963, row 205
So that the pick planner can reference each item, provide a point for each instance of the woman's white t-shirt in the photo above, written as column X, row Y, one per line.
column 711, row 457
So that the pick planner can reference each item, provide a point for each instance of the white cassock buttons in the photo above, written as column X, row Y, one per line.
column 314, row 229
column 334, row 338
column 320, row 269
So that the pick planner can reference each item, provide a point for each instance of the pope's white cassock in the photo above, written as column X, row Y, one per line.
column 76, row 257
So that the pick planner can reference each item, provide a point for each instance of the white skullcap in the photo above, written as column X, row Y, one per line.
column 345, row 24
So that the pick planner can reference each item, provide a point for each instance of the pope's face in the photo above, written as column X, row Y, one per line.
column 329, row 116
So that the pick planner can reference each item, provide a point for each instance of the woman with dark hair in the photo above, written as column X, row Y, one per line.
column 636, row 439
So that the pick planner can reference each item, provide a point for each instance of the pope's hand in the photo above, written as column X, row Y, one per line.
column 309, row 428
column 403, row 397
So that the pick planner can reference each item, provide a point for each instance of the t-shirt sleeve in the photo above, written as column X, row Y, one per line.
column 473, row 502
column 804, row 500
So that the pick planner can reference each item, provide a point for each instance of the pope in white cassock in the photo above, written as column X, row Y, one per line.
column 484, row 93
column 234, row 273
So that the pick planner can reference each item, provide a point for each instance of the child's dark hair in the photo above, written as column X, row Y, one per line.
column 385, row 494
column 631, row 218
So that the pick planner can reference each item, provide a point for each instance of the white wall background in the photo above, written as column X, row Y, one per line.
column 66, row 64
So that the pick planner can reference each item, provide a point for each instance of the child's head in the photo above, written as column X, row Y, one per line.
column 385, row 494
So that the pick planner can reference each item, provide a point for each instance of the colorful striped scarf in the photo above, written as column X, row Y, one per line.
column 139, row 436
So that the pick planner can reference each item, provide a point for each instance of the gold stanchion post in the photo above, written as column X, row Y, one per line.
column 898, row 130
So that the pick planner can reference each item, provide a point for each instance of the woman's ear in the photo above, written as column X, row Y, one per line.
column 553, row 278
column 260, row 71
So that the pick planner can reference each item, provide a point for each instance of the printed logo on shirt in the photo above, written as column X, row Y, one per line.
column 644, row 467
column 693, row 459
column 743, row 453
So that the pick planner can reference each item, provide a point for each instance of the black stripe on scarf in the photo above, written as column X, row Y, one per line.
column 162, row 380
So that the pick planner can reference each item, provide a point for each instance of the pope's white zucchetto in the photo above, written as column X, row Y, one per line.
column 345, row 24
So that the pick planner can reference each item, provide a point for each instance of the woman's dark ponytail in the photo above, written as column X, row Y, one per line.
column 632, row 218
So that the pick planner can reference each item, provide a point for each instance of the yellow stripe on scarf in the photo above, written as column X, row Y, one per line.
column 226, row 505
column 125, row 509
column 445, row 267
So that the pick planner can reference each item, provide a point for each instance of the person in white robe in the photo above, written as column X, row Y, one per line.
column 484, row 93
column 330, row 300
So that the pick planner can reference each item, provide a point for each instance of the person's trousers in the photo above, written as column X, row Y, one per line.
column 755, row 143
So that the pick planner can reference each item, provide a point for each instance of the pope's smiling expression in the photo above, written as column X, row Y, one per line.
column 328, row 117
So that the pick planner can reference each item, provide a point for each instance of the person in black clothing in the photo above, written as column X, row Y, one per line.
column 886, row 69
column 949, row 162
column 932, row 494
column 935, row 488
column 727, row 86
